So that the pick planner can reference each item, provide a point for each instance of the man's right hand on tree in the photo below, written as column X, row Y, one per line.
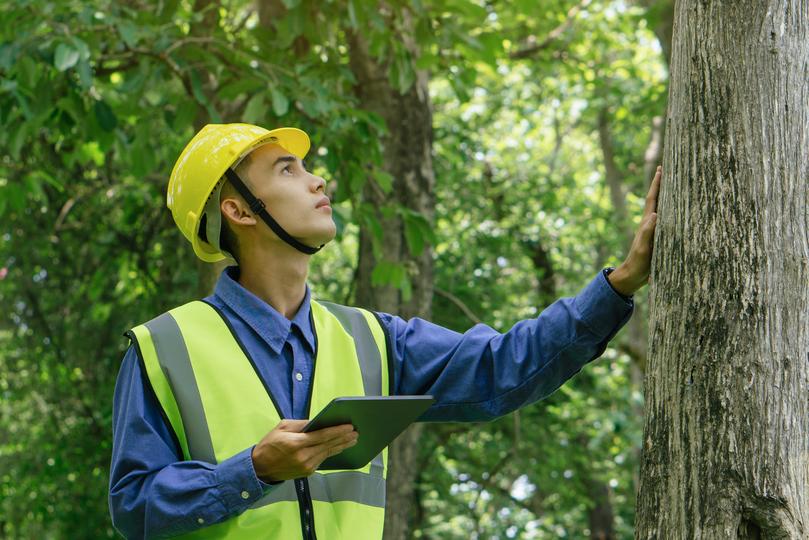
column 286, row 452
column 635, row 271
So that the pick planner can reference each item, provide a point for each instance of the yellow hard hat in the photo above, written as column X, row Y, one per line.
column 202, row 164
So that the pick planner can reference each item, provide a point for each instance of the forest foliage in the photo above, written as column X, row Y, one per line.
column 98, row 98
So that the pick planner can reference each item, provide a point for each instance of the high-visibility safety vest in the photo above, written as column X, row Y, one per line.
column 214, row 400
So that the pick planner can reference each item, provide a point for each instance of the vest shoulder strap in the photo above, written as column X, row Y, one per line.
column 163, row 351
column 372, row 343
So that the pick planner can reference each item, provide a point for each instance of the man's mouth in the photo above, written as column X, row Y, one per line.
column 323, row 202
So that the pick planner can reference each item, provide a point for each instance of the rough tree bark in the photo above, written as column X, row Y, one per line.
column 407, row 157
column 726, row 443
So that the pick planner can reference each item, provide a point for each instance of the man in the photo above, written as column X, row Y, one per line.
column 212, row 396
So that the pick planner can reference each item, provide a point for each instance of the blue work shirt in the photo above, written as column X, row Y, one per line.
column 478, row 375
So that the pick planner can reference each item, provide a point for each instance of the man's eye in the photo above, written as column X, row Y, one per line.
column 287, row 169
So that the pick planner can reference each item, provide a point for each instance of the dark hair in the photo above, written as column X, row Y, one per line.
column 228, row 240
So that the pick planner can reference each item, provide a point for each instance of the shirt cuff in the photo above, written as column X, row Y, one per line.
column 602, row 308
column 239, row 487
column 607, row 272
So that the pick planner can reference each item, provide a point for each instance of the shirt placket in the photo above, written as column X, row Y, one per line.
column 301, row 375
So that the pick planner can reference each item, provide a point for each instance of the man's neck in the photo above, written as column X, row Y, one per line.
column 277, row 278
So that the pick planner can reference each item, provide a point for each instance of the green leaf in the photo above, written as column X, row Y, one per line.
column 294, row 24
column 199, row 95
column 381, row 273
column 129, row 33
column 28, row 72
column 186, row 111
column 17, row 140
column 374, row 226
column 134, row 81
column 106, row 118
column 401, row 73
column 291, row 4
column 15, row 196
column 418, row 232
column 415, row 241
column 387, row 273
column 394, row 274
column 85, row 74
column 280, row 103
column 352, row 14
column 236, row 88
column 65, row 57
column 7, row 53
column 340, row 220
column 143, row 160
column 407, row 289
column 471, row 10
column 196, row 88
column 353, row 178
column 167, row 9
column 427, row 60
column 492, row 47
column 384, row 180
column 256, row 110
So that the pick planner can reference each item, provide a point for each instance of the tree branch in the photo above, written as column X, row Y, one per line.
column 459, row 303
column 532, row 47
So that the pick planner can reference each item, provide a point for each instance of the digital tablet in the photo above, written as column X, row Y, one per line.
column 377, row 419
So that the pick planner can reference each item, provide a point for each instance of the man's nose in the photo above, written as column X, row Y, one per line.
column 318, row 184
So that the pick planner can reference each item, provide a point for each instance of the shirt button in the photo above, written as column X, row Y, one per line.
column 298, row 377
column 200, row 521
column 245, row 495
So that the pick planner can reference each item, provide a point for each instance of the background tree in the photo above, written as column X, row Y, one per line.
column 726, row 442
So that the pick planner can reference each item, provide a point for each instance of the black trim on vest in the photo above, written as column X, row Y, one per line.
column 314, row 363
column 306, row 509
column 304, row 496
column 147, row 383
column 389, row 347
column 247, row 355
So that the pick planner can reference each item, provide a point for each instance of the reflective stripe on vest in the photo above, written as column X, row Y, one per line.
column 217, row 406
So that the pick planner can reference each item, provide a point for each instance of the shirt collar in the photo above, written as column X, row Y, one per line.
column 268, row 323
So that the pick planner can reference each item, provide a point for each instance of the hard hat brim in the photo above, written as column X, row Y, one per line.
column 293, row 140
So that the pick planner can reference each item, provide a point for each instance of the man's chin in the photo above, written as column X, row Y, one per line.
column 322, row 239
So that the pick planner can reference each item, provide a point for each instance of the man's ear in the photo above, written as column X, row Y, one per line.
column 236, row 211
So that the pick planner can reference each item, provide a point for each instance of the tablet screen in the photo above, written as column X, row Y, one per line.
column 377, row 419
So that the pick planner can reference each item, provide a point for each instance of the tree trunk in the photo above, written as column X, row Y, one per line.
column 600, row 516
column 407, row 157
column 726, row 443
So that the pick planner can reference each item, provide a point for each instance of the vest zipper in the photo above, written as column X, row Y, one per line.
column 305, row 506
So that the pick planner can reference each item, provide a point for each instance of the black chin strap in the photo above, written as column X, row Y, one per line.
column 257, row 207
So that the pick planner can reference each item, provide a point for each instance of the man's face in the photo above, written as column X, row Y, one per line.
column 293, row 196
